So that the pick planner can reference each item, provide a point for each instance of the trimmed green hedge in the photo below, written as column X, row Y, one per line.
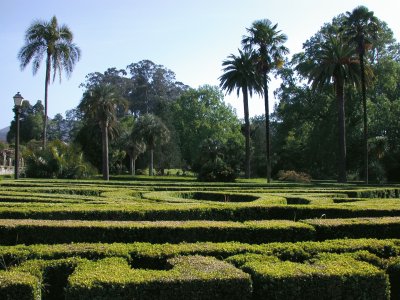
column 150, row 255
column 15, row 285
column 57, row 262
column 101, row 210
column 393, row 270
column 191, row 277
column 356, row 228
column 375, row 193
column 328, row 276
column 52, row 275
column 48, row 231
column 13, row 231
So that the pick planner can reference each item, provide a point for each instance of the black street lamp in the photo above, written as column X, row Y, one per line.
column 17, row 102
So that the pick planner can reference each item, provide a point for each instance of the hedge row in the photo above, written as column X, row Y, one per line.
column 393, row 270
column 328, row 276
column 99, row 210
column 52, row 232
column 148, row 255
column 356, row 228
column 189, row 277
column 15, row 285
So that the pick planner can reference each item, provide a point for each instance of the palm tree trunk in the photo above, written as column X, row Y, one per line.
column 247, row 130
column 151, row 162
column 134, row 166
column 131, row 164
column 104, row 131
column 46, row 87
column 364, row 101
column 342, row 130
column 267, row 126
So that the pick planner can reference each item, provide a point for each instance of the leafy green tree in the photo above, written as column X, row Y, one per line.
column 57, row 129
column 361, row 27
column 268, row 42
column 31, row 123
column 152, row 86
column 130, row 141
column 333, row 61
column 200, row 114
column 48, row 39
column 152, row 131
column 100, row 103
column 114, row 77
column 218, row 161
column 240, row 74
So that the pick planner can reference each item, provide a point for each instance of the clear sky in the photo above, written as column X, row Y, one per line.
column 190, row 37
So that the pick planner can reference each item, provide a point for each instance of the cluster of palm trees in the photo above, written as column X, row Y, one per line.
column 100, row 103
column 262, row 52
column 339, row 59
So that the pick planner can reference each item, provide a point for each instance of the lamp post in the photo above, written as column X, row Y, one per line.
column 17, row 102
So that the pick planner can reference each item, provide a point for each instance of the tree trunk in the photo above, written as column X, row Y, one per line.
column 339, row 85
column 151, row 162
column 247, row 130
column 104, row 131
column 365, row 119
column 131, row 165
column 46, row 87
column 267, row 126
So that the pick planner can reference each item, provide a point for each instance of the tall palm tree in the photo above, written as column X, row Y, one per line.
column 48, row 39
column 334, row 61
column 361, row 27
column 268, row 42
column 151, row 130
column 100, row 103
column 239, row 74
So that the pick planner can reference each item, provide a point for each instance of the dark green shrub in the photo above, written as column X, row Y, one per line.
column 218, row 161
column 216, row 171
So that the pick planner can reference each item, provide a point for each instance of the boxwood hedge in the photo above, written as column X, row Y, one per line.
column 49, row 231
column 328, row 276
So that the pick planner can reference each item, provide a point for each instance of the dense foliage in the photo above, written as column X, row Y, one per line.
column 57, row 160
column 341, row 89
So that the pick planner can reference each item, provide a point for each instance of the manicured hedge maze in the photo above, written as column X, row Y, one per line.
column 187, row 240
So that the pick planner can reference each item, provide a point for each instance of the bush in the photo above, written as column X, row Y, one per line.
column 58, row 160
column 216, row 171
column 293, row 176
column 218, row 161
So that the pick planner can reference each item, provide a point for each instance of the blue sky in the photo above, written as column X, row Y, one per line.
column 191, row 38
